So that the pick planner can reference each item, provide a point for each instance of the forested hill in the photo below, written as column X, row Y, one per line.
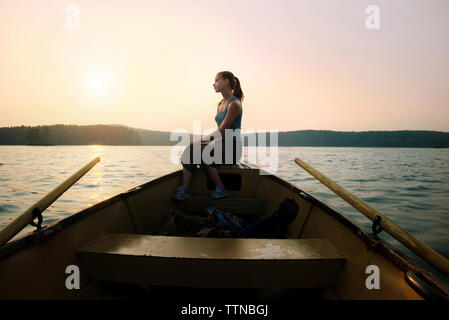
column 122, row 135
column 405, row 139
column 70, row 135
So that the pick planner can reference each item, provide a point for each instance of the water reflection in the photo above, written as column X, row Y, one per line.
column 97, row 173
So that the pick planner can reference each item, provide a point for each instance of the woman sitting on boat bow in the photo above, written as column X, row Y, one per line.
column 228, row 118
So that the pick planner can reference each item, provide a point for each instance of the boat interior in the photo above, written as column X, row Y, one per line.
column 324, row 255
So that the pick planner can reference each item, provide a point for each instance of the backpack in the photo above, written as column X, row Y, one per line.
column 274, row 227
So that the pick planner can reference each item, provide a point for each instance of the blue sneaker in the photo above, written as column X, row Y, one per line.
column 220, row 193
column 181, row 193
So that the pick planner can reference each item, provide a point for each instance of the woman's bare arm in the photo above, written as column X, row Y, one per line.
column 234, row 109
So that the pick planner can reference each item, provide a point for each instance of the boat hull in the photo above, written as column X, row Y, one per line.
column 34, row 267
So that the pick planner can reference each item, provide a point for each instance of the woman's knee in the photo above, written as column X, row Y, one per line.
column 189, row 167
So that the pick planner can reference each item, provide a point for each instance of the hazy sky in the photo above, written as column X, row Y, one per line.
column 151, row 64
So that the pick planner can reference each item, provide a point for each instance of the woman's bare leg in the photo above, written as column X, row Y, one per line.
column 186, row 178
column 213, row 174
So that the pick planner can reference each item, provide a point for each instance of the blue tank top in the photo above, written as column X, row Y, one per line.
column 221, row 116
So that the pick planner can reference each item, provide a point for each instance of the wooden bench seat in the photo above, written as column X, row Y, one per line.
column 212, row 262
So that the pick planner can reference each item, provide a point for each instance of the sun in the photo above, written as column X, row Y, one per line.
column 102, row 82
column 98, row 83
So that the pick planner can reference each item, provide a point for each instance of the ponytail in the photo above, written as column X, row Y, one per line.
column 238, row 91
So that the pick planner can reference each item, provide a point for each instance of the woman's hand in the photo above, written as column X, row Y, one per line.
column 211, row 136
column 206, row 139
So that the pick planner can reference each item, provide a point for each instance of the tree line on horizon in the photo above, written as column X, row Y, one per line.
column 69, row 135
column 122, row 135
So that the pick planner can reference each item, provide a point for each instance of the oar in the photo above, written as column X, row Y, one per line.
column 26, row 217
column 386, row 224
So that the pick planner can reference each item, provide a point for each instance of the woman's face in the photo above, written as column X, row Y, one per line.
column 219, row 84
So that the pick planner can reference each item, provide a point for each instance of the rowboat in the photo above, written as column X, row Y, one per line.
column 112, row 245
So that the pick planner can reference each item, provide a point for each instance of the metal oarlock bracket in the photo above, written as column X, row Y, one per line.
column 376, row 227
column 37, row 214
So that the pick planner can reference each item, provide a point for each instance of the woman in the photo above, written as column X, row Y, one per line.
column 229, row 116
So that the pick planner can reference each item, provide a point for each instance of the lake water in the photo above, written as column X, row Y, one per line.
column 409, row 186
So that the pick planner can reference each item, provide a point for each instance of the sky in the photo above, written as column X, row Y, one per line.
column 151, row 64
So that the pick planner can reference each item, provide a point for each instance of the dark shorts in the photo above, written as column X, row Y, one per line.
column 188, row 163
